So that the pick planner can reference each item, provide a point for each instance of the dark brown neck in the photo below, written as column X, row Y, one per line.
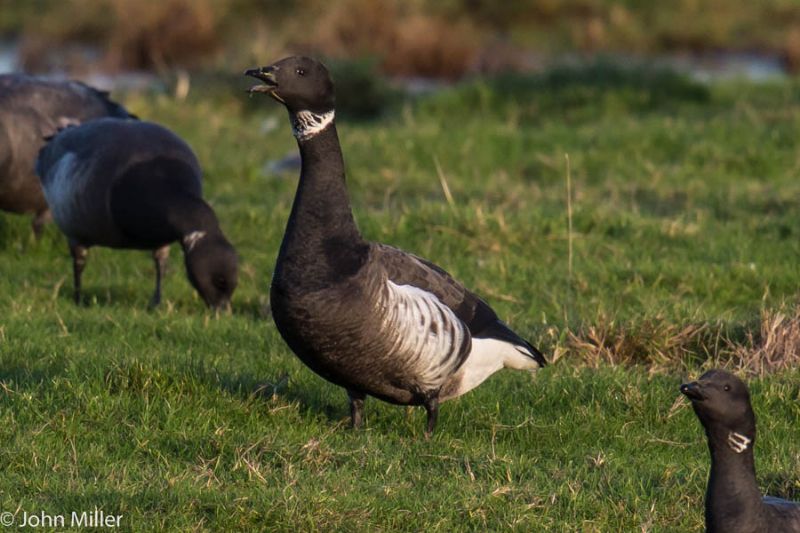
column 189, row 214
column 322, row 243
column 732, row 489
column 162, row 199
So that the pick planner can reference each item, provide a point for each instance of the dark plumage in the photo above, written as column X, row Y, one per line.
column 130, row 184
column 32, row 108
column 368, row 317
column 733, row 501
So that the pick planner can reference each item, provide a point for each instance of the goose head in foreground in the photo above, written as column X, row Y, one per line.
column 722, row 403
column 368, row 317
column 299, row 83
column 733, row 501
column 304, row 86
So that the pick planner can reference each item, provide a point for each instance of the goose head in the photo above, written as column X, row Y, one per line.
column 299, row 83
column 211, row 266
column 722, row 403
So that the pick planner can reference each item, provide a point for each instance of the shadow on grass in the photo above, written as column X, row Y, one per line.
column 253, row 308
column 110, row 295
column 310, row 401
column 26, row 377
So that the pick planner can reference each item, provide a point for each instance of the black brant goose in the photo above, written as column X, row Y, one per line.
column 733, row 501
column 32, row 108
column 369, row 317
column 130, row 184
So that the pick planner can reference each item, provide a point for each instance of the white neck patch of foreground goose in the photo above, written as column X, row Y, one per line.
column 734, row 503
column 369, row 317
column 307, row 124
column 738, row 442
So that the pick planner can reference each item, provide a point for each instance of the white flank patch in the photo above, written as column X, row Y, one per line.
column 487, row 357
column 423, row 331
column 190, row 240
column 65, row 184
column 738, row 442
column 306, row 124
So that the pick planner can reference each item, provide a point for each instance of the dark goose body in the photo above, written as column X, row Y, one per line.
column 32, row 108
column 136, row 185
column 733, row 501
column 368, row 317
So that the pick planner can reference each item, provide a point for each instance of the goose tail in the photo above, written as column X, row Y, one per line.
column 500, row 331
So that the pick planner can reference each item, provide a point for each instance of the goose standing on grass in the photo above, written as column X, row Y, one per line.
column 32, row 108
column 368, row 317
column 733, row 502
column 130, row 184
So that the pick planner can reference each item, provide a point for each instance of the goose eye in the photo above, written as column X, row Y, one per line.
column 727, row 387
column 300, row 72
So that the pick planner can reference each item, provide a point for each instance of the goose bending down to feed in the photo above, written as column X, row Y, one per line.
column 32, row 108
column 733, row 502
column 369, row 317
column 130, row 184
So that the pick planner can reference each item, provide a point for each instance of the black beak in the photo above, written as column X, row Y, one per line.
column 693, row 391
column 264, row 74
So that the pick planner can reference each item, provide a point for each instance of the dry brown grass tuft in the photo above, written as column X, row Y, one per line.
column 129, row 34
column 407, row 38
column 654, row 342
column 661, row 345
column 177, row 32
column 776, row 346
column 791, row 49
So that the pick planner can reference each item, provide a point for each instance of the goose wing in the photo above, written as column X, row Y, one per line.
column 783, row 515
column 480, row 319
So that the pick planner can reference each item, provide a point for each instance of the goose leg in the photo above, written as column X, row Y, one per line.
column 160, row 256
column 356, row 408
column 432, row 408
column 79, row 253
column 39, row 220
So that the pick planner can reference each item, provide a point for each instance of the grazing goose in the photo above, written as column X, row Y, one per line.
column 32, row 108
column 129, row 184
column 733, row 501
column 368, row 317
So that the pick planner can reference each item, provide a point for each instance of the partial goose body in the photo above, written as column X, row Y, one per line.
column 368, row 317
column 31, row 109
column 135, row 185
column 733, row 501
column 400, row 329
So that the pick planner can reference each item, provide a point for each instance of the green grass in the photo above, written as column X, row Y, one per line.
column 177, row 419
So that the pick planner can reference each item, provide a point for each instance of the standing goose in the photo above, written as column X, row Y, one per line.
column 733, row 502
column 369, row 317
column 129, row 184
column 32, row 108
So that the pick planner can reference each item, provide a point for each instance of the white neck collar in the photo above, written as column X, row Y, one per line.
column 738, row 442
column 307, row 124
column 191, row 239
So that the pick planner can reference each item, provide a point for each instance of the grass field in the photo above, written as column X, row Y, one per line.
column 685, row 239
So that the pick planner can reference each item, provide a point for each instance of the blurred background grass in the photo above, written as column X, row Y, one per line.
column 684, row 256
column 443, row 39
column 496, row 93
